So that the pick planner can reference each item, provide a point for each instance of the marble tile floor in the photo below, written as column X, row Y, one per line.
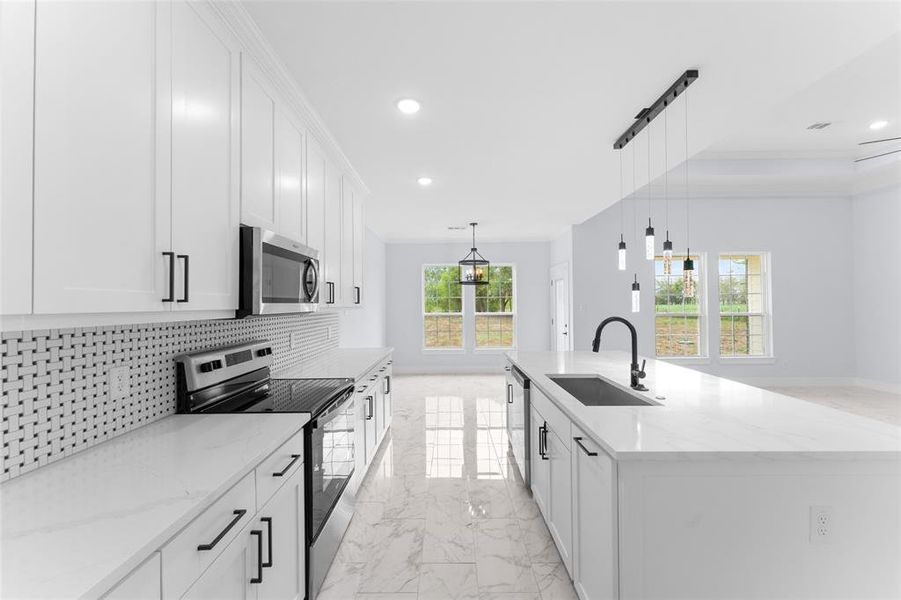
column 443, row 512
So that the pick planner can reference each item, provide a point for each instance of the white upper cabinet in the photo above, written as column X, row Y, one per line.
column 315, row 185
column 258, row 202
column 205, row 160
column 16, row 121
column 351, row 292
column 334, row 288
column 290, row 209
column 101, row 207
column 359, row 239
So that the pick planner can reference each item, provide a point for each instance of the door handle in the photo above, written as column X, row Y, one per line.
column 171, row 256
column 294, row 458
column 187, row 277
column 239, row 513
column 268, row 522
column 578, row 440
column 259, row 577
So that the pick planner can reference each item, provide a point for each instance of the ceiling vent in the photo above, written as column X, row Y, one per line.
column 822, row 125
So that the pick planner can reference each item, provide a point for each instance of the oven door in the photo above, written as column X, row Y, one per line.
column 278, row 275
column 331, row 460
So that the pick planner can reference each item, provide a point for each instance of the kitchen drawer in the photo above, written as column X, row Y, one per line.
column 280, row 465
column 183, row 560
column 557, row 421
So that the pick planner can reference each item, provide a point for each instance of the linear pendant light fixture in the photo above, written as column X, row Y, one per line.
column 473, row 269
column 649, row 232
column 621, row 247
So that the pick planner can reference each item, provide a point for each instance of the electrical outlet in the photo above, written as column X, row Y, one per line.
column 822, row 524
column 295, row 340
column 119, row 386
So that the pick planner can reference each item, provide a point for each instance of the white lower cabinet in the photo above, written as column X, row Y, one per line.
column 266, row 559
column 369, row 423
column 551, row 482
column 594, row 562
column 560, row 523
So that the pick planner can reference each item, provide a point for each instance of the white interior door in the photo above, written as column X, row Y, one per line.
column 560, row 308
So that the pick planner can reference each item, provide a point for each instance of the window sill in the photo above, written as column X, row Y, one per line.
column 686, row 360
column 747, row 360
column 444, row 351
column 494, row 350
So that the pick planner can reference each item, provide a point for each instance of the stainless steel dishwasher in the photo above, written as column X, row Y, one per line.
column 518, row 386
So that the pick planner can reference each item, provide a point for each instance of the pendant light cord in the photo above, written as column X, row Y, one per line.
column 687, row 189
column 649, row 174
column 666, row 172
column 634, row 204
column 622, row 200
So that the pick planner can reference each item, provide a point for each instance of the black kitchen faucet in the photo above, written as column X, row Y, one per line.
column 635, row 373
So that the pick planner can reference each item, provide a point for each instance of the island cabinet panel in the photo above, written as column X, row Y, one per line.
column 144, row 582
column 594, row 556
column 741, row 528
column 101, row 192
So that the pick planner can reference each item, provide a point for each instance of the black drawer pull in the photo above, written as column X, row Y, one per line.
column 578, row 440
column 369, row 400
column 268, row 522
column 509, row 393
column 187, row 278
column 542, row 442
column 294, row 459
column 358, row 294
column 239, row 514
column 259, row 577
column 387, row 384
column 171, row 256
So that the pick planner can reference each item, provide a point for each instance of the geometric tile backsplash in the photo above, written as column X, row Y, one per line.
column 55, row 382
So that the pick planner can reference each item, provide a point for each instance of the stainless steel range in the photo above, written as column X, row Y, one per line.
column 237, row 379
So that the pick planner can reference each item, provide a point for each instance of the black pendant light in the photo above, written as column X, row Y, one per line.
column 474, row 267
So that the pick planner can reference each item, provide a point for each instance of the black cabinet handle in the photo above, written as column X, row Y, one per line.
column 358, row 294
column 331, row 292
column 542, row 442
column 387, row 384
column 268, row 522
column 259, row 577
column 187, row 277
column 239, row 513
column 578, row 440
column 369, row 400
column 171, row 256
column 294, row 458
column 509, row 393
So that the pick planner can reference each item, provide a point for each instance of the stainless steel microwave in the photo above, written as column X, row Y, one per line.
column 278, row 275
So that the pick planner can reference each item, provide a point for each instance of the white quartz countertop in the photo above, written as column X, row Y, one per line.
column 702, row 416
column 76, row 527
column 350, row 363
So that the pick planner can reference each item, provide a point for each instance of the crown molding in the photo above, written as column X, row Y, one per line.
column 256, row 46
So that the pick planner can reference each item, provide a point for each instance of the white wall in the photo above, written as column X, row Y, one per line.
column 811, row 274
column 365, row 327
column 404, row 304
column 876, row 219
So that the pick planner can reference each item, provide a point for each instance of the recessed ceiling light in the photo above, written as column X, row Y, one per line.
column 424, row 181
column 878, row 124
column 408, row 106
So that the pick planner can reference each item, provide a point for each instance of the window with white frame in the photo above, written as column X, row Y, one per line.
column 495, row 309
column 678, row 321
column 442, row 307
column 744, row 305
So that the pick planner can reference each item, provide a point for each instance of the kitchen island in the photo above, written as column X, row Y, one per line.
column 713, row 489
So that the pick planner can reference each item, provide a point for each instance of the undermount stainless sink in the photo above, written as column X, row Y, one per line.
column 591, row 390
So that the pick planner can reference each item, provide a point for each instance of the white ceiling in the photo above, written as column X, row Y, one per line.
column 522, row 101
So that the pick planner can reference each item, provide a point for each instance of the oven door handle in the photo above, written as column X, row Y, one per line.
column 294, row 459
